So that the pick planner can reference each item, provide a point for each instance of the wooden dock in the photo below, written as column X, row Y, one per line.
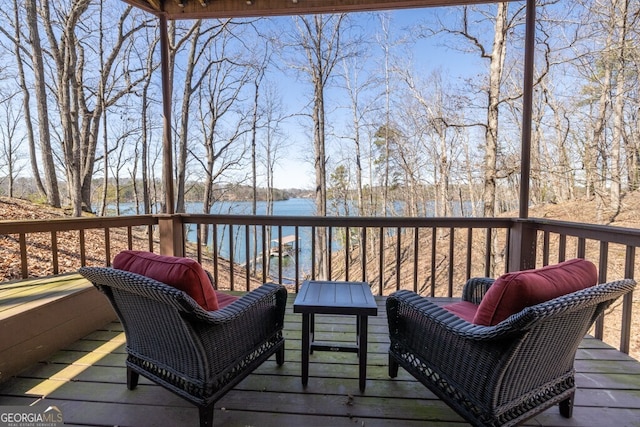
column 286, row 247
column 86, row 381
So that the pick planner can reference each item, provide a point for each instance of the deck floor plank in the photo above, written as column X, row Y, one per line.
column 86, row 381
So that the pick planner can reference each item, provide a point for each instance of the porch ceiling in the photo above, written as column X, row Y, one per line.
column 193, row 9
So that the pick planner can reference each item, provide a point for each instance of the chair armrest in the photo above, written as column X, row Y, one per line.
column 475, row 288
column 267, row 295
column 273, row 293
column 234, row 332
column 253, row 297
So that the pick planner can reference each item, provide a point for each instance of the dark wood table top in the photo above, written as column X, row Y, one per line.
column 332, row 297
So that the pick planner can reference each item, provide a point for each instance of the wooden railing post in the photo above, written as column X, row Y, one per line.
column 171, row 232
column 522, row 246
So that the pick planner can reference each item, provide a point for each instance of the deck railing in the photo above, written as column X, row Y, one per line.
column 612, row 249
column 431, row 256
column 36, row 248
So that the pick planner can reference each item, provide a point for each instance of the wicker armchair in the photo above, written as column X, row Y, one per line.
column 198, row 355
column 502, row 374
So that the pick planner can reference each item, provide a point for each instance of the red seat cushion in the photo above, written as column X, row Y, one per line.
column 181, row 273
column 464, row 309
column 512, row 292
column 224, row 299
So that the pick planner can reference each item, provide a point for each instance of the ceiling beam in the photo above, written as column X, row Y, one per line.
column 155, row 4
column 152, row 6
column 197, row 9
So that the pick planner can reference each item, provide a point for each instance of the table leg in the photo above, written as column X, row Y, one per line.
column 358, row 334
column 312, row 329
column 362, row 350
column 305, row 348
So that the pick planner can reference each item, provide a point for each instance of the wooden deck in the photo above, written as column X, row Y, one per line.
column 86, row 381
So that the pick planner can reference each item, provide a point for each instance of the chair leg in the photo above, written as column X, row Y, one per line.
column 206, row 415
column 393, row 367
column 132, row 378
column 280, row 356
column 566, row 406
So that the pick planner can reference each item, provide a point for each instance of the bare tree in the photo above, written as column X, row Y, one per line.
column 495, row 55
column 117, row 166
column 50, row 180
column 561, row 171
column 223, row 123
column 274, row 142
column 496, row 63
column 320, row 39
column 359, row 86
column 272, row 148
column 259, row 66
column 12, row 141
column 620, row 12
column 593, row 160
column 201, row 36
column 124, row 132
column 386, row 136
column 632, row 141
column 432, row 111
column 77, row 86
column 150, row 65
column 12, row 17
column 605, row 65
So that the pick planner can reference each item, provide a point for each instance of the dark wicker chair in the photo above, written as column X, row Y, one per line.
column 502, row 374
column 196, row 354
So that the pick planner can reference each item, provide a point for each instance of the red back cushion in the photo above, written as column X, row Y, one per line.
column 512, row 292
column 182, row 273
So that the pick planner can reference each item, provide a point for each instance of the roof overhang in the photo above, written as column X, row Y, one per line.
column 197, row 9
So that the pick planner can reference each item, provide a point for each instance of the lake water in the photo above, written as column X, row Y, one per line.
column 293, row 207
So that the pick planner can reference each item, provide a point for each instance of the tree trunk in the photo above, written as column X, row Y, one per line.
column 595, row 177
column 491, row 134
column 254, row 171
column 33, row 156
column 183, row 136
column 320, row 166
column 319, row 36
column 50, row 178
column 144, row 138
column 618, row 104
